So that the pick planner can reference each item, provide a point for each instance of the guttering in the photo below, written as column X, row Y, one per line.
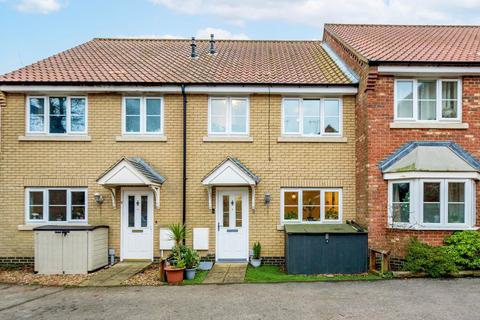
column 350, row 89
column 184, row 173
column 417, row 69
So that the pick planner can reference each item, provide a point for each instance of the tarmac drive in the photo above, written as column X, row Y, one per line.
column 394, row 299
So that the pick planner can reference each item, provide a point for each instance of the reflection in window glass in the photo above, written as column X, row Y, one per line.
column 449, row 99
column 218, row 115
column 144, row 212
column 291, row 115
column 431, row 202
column 154, row 114
column 456, row 202
column 37, row 114
column 404, row 92
column 401, row 202
column 311, row 117
column 36, row 205
column 226, row 211
column 239, row 115
column 78, row 205
column 58, row 115
column 77, row 115
column 427, row 100
column 132, row 115
column 131, row 211
column 332, row 116
column 311, row 205
column 57, row 209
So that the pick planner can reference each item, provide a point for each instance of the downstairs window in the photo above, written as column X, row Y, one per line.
column 432, row 203
column 56, row 205
column 309, row 205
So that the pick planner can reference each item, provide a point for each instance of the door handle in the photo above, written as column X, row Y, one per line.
column 218, row 226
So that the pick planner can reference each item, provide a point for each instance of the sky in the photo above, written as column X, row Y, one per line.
column 31, row 30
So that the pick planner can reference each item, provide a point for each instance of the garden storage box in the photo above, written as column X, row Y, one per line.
column 325, row 249
column 70, row 249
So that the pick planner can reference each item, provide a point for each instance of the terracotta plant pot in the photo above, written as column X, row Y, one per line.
column 174, row 275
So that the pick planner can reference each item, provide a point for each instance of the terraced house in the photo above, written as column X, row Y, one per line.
column 237, row 139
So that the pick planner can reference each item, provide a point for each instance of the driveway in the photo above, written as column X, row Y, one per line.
column 395, row 299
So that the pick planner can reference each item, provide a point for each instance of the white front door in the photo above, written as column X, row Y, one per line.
column 137, row 226
column 232, row 225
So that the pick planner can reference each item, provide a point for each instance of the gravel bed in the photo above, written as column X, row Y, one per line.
column 149, row 277
column 25, row 275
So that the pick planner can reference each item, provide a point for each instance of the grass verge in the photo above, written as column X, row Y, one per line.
column 265, row 274
column 199, row 277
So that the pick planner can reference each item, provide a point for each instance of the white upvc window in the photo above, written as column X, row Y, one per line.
column 432, row 203
column 228, row 116
column 428, row 100
column 142, row 115
column 312, row 117
column 311, row 205
column 56, row 115
column 56, row 205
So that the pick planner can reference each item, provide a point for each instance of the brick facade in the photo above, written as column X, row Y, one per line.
column 376, row 140
column 79, row 164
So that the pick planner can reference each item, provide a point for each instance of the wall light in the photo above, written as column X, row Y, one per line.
column 98, row 198
column 267, row 199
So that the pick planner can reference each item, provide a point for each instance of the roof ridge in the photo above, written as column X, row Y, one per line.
column 200, row 40
column 402, row 25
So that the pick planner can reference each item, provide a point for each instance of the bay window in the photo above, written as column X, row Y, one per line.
column 228, row 116
column 311, row 117
column 142, row 115
column 427, row 100
column 56, row 205
column 432, row 203
column 60, row 115
column 311, row 205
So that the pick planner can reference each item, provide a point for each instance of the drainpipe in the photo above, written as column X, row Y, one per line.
column 184, row 190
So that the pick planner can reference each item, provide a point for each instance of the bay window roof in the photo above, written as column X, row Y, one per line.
column 430, row 156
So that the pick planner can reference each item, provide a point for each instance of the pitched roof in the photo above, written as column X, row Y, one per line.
column 142, row 166
column 161, row 61
column 239, row 164
column 433, row 156
column 410, row 43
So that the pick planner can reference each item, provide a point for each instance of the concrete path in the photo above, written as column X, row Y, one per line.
column 115, row 275
column 383, row 300
column 226, row 273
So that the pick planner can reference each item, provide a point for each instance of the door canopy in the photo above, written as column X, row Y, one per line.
column 132, row 172
column 230, row 172
column 430, row 159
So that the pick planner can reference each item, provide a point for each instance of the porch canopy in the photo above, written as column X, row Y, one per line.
column 132, row 172
column 230, row 172
column 430, row 159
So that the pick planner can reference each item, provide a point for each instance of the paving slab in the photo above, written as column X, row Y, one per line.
column 226, row 273
column 115, row 275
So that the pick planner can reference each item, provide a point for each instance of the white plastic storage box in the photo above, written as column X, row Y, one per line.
column 70, row 249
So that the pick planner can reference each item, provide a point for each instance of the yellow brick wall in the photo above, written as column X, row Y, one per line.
column 76, row 164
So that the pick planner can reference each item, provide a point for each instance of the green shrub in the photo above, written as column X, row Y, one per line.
column 464, row 247
column 257, row 250
column 435, row 261
column 191, row 258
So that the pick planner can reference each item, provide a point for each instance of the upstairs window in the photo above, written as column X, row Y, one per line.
column 311, row 117
column 56, row 205
column 427, row 100
column 57, row 115
column 228, row 116
column 142, row 115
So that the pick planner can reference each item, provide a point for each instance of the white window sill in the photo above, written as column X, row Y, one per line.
column 439, row 228
column 55, row 138
column 31, row 226
column 228, row 139
column 158, row 138
column 312, row 139
column 433, row 125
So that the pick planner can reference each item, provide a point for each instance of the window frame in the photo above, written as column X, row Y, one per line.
column 416, row 204
column 300, row 132
column 228, row 132
column 46, row 205
column 438, row 104
column 300, row 205
column 46, row 116
column 143, row 116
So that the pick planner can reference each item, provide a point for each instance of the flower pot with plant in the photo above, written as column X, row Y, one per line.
column 256, row 259
column 178, row 233
column 175, row 272
column 192, row 261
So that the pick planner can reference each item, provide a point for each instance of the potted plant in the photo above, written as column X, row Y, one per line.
column 178, row 233
column 192, row 260
column 256, row 260
column 175, row 272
